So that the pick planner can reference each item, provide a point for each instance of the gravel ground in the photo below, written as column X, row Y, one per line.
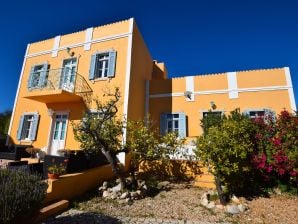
column 181, row 204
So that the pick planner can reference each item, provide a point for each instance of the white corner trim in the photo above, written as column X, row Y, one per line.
column 88, row 38
column 189, row 82
column 232, row 85
column 17, row 95
column 290, row 89
column 56, row 46
column 127, row 75
column 147, row 86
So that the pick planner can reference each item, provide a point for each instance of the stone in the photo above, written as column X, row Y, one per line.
column 220, row 206
column 210, row 205
column 163, row 185
column 235, row 199
column 139, row 192
column 242, row 207
column 117, row 188
column 105, row 194
column 204, row 202
column 134, row 194
column 232, row 209
column 114, row 195
column 122, row 201
column 118, row 181
column 277, row 191
column 141, row 183
column 124, row 195
column 104, row 185
column 144, row 188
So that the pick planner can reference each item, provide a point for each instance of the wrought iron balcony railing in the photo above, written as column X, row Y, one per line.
column 60, row 79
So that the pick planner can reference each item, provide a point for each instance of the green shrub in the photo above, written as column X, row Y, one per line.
column 20, row 194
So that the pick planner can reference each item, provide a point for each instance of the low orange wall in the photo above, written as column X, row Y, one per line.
column 180, row 169
column 72, row 185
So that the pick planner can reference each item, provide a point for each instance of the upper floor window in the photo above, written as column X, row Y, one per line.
column 173, row 122
column 102, row 65
column 28, row 127
column 38, row 76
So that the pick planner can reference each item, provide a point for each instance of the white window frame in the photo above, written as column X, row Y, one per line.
column 102, row 72
column 28, row 121
column 36, row 73
column 172, row 120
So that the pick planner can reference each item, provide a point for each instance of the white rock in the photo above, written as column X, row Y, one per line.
column 105, row 194
column 242, row 207
column 232, row 209
column 220, row 206
column 105, row 185
column 144, row 187
column 210, row 205
column 204, row 202
column 117, row 188
column 134, row 194
column 235, row 199
column 124, row 195
column 139, row 192
column 113, row 196
column 163, row 185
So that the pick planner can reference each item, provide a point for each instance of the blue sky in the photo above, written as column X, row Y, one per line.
column 191, row 37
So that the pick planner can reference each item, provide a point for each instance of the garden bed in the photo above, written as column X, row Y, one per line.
column 182, row 202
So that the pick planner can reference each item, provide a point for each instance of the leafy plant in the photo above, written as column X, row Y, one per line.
column 57, row 168
column 21, row 194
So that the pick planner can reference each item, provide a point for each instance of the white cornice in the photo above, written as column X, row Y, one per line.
column 103, row 39
column 223, row 91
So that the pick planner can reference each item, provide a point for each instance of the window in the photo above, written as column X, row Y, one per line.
column 260, row 113
column 212, row 113
column 38, row 76
column 102, row 65
column 173, row 122
column 28, row 127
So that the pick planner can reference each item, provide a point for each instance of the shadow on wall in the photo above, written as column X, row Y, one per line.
column 173, row 169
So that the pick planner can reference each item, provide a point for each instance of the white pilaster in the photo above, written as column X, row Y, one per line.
column 189, row 82
column 88, row 38
column 232, row 85
column 56, row 46
column 290, row 89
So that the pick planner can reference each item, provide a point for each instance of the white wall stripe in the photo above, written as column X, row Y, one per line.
column 232, row 85
column 103, row 39
column 88, row 38
column 17, row 95
column 290, row 89
column 223, row 91
column 56, row 46
column 189, row 82
column 121, row 156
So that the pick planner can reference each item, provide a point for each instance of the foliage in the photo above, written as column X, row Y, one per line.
column 275, row 158
column 21, row 193
column 145, row 143
column 57, row 168
column 212, row 119
column 102, row 132
column 4, row 122
column 222, row 150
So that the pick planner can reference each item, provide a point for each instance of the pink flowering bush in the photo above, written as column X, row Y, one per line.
column 276, row 150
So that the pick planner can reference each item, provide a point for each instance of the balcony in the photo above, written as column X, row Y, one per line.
column 58, row 86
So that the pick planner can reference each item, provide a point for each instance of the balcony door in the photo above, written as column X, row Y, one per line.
column 69, row 74
column 58, row 132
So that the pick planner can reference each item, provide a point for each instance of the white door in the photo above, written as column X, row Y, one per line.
column 58, row 133
column 69, row 74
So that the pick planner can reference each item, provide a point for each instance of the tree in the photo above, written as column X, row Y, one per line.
column 146, row 144
column 102, row 132
column 4, row 121
column 226, row 148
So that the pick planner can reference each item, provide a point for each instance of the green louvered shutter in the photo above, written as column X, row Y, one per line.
column 92, row 67
column 43, row 75
column 182, row 125
column 112, row 63
column 163, row 124
column 33, row 132
column 30, row 77
column 19, row 132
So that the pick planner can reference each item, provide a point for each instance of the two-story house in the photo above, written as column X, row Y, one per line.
column 60, row 77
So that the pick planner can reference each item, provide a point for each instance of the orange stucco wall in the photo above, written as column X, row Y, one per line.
column 170, row 102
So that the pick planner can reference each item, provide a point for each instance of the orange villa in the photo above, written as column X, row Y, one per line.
column 60, row 77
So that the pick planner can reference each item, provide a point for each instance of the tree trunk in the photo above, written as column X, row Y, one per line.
column 133, row 177
column 221, row 195
column 112, row 159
